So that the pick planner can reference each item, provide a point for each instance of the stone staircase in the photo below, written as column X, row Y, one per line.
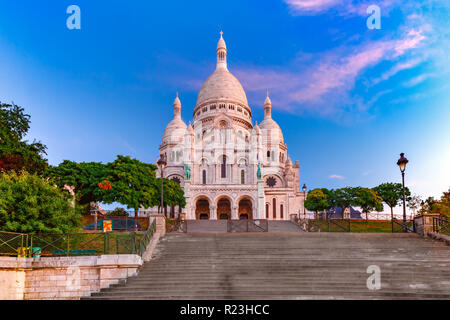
column 289, row 266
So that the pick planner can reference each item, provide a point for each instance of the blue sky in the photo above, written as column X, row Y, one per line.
column 348, row 99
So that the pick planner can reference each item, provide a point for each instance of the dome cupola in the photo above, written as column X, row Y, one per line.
column 268, row 126
column 174, row 131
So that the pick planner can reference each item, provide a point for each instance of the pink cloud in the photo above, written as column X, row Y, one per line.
column 396, row 69
column 330, row 79
column 341, row 7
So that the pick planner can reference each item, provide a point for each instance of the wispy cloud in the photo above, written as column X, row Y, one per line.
column 396, row 69
column 336, row 176
column 416, row 80
column 341, row 7
column 331, row 78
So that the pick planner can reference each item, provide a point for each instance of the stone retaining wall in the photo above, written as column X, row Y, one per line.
column 63, row 277
column 70, row 277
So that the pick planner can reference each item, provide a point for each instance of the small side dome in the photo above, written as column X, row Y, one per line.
column 269, row 127
column 174, row 131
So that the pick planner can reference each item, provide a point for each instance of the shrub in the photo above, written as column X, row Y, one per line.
column 30, row 204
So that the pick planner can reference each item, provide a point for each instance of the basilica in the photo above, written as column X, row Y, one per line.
column 228, row 166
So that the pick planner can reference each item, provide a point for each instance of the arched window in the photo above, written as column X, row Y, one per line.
column 268, row 153
column 224, row 167
column 267, row 211
column 242, row 177
column 274, row 204
column 281, row 211
column 204, row 177
column 273, row 156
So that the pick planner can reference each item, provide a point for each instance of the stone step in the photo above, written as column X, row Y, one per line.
column 289, row 266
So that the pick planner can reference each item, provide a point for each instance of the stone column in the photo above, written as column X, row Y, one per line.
column 234, row 213
column 261, row 200
column 213, row 212
column 190, row 211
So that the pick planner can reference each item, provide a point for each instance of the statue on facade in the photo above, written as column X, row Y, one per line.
column 258, row 172
column 187, row 172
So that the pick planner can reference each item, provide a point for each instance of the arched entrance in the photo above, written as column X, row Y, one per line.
column 202, row 209
column 224, row 209
column 245, row 211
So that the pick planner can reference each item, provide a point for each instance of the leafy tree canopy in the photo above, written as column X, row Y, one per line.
column 173, row 194
column 344, row 198
column 30, row 204
column 15, row 154
column 84, row 177
column 368, row 200
column 392, row 193
column 133, row 183
column 443, row 205
column 317, row 200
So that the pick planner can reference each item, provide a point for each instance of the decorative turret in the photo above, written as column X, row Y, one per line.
column 221, row 53
column 267, row 107
column 175, row 129
column 177, row 107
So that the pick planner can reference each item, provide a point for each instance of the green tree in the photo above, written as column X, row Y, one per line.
column 84, row 177
column 118, row 212
column 443, row 205
column 392, row 194
column 16, row 154
column 29, row 204
column 317, row 200
column 133, row 183
column 414, row 203
column 344, row 198
column 368, row 200
column 173, row 194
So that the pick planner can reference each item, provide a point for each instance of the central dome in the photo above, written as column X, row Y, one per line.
column 222, row 85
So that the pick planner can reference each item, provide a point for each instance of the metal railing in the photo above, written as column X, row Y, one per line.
column 74, row 244
column 260, row 225
column 397, row 226
column 441, row 225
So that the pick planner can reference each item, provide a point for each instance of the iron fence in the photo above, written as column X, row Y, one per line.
column 398, row 226
column 74, row 244
column 260, row 225
column 12, row 243
column 441, row 225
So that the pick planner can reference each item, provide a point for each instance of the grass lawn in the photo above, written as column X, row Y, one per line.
column 362, row 226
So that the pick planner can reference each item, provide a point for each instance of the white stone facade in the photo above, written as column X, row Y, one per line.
column 222, row 148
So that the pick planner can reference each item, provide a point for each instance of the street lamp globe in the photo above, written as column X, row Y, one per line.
column 402, row 162
column 304, row 188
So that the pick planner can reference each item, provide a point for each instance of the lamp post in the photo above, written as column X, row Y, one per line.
column 402, row 164
column 304, row 198
column 161, row 163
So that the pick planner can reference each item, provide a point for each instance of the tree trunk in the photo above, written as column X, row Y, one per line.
column 392, row 213
column 367, row 216
column 343, row 210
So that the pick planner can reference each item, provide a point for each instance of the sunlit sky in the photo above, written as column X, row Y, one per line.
column 347, row 98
